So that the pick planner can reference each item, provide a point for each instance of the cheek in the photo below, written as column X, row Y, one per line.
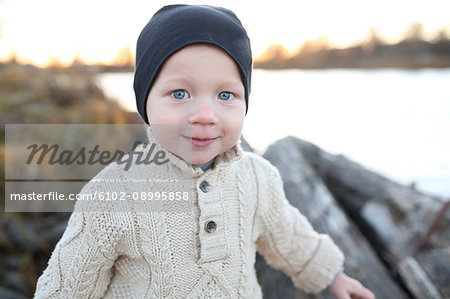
column 165, row 135
column 150, row 109
column 235, row 124
column 159, row 112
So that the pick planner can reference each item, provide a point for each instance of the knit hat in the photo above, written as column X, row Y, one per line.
column 174, row 27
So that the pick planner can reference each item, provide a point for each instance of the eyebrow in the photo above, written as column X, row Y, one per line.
column 234, row 83
column 176, row 78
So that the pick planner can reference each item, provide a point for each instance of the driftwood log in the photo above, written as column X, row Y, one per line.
column 305, row 190
column 409, row 230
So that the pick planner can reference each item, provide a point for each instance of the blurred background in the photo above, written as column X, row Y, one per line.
column 365, row 79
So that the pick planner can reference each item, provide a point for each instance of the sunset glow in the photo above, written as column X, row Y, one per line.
column 40, row 31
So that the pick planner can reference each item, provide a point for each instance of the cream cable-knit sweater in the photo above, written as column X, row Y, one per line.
column 203, row 247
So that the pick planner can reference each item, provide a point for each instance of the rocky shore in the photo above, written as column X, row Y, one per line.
column 32, row 95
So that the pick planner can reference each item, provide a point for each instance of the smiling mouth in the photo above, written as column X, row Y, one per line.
column 201, row 142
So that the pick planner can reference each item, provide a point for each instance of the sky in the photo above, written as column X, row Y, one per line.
column 97, row 29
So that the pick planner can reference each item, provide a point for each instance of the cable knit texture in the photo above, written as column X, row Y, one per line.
column 163, row 248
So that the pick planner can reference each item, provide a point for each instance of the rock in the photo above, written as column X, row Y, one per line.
column 400, row 222
column 305, row 190
column 245, row 145
column 417, row 280
column 435, row 263
column 10, row 294
column 14, row 281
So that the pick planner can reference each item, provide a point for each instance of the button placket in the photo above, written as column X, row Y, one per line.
column 211, row 221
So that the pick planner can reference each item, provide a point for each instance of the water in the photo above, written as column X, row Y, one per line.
column 395, row 122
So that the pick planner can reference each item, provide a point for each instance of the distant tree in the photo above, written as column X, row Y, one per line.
column 124, row 57
column 276, row 55
column 276, row 51
column 372, row 41
column 78, row 59
column 442, row 36
column 313, row 46
column 414, row 32
column 12, row 57
column 54, row 62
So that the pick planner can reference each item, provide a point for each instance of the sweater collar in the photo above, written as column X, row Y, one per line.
column 224, row 159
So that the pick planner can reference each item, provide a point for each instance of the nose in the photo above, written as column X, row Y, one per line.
column 203, row 113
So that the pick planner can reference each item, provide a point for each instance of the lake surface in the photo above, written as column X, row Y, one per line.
column 396, row 122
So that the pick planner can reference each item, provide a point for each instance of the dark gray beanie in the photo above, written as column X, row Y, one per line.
column 174, row 27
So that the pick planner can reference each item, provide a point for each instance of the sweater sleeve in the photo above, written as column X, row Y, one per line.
column 82, row 261
column 287, row 240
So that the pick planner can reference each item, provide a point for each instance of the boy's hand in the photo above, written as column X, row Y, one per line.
column 345, row 287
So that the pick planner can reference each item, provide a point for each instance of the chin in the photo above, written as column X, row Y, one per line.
column 199, row 160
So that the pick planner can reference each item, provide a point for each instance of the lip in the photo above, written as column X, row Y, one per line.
column 201, row 142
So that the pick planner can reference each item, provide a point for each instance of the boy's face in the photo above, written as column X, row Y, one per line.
column 196, row 106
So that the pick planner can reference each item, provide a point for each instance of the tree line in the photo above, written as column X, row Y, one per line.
column 412, row 51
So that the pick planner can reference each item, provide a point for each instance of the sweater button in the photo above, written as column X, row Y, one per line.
column 210, row 226
column 204, row 186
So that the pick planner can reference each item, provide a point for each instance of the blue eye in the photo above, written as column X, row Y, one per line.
column 226, row 96
column 180, row 94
